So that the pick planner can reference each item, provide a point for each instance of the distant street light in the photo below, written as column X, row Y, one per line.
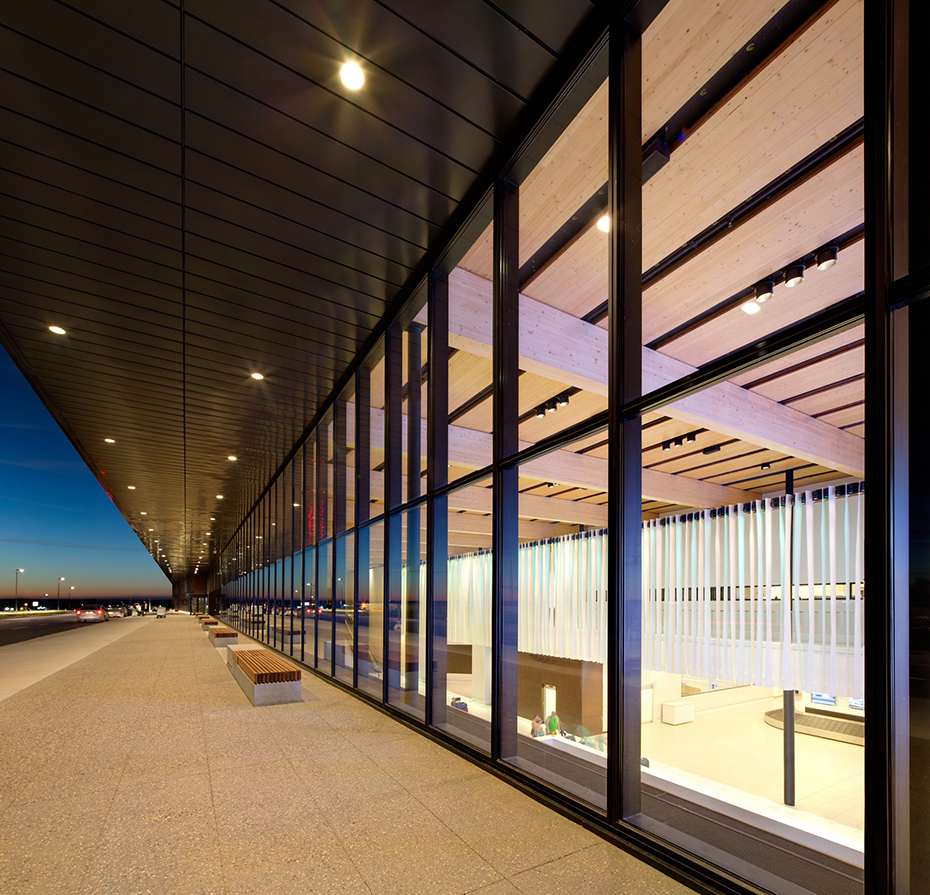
column 16, row 589
column 59, row 593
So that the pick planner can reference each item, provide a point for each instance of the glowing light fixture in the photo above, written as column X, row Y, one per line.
column 352, row 75
column 219, row 496
column 794, row 275
column 826, row 258
column 257, row 376
column 131, row 487
column 232, row 457
column 540, row 411
column 110, row 440
column 604, row 224
column 751, row 307
column 57, row 330
column 143, row 513
column 763, row 291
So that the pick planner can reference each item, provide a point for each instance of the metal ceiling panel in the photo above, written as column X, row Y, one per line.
column 191, row 223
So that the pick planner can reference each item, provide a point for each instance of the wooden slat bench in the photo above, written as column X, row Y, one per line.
column 265, row 677
column 222, row 636
column 207, row 623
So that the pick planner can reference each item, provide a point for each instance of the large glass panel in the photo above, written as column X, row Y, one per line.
column 561, row 718
column 370, row 651
column 305, row 645
column 564, row 246
column 344, row 607
column 416, row 402
column 756, row 220
column 470, row 376
column 325, row 615
column 344, row 461
column 752, row 611
column 406, row 617
column 462, row 620
column 376, row 432
column 327, row 460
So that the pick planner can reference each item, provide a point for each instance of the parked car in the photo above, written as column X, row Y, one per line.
column 92, row 613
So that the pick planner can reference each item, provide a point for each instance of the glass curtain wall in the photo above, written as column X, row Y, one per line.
column 596, row 509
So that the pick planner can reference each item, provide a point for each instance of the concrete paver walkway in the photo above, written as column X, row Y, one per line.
column 140, row 767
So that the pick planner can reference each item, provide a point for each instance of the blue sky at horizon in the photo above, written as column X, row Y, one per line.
column 55, row 518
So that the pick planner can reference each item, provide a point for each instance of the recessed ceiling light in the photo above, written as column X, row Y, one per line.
column 143, row 513
column 131, row 487
column 232, row 457
column 213, row 518
column 352, row 75
column 296, row 504
column 604, row 224
column 208, row 532
column 110, row 440
column 57, row 330
column 219, row 496
column 257, row 376
column 151, row 529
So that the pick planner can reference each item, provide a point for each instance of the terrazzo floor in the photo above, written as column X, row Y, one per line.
column 137, row 765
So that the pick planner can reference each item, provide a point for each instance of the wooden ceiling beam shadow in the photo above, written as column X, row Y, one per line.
column 566, row 349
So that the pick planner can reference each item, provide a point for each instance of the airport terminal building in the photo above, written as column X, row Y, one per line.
column 556, row 390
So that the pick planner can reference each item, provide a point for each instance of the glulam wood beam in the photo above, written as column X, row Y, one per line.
column 558, row 346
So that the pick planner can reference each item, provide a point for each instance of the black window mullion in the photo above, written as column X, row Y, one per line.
column 624, row 635
column 393, row 469
column 505, row 540
column 437, row 516
column 362, row 503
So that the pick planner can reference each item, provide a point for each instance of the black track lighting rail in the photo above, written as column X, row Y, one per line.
column 844, row 241
column 820, row 159
column 787, row 24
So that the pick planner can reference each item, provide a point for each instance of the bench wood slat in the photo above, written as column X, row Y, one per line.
column 263, row 667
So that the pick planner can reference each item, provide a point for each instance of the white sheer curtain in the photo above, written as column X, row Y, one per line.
column 764, row 593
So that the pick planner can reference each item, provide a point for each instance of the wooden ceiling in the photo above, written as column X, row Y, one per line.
column 263, row 219
column 804, row 412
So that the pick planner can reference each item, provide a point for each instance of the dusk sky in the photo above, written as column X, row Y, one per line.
column 55, row 519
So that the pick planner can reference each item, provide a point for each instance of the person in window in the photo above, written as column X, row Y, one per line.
column 553, row 724
column 459, row 703
column 539, row 729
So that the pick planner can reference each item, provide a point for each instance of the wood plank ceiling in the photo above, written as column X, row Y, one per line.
column 276, row 239
column 190, row 192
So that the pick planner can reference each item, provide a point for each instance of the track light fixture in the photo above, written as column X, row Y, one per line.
column 794, row 275
column 766, row 466
column 826, row 258
column 750, row 307
column 764, row 290
column 540, row 412
column 552, row 406
column 563, row 399
column 666, row 445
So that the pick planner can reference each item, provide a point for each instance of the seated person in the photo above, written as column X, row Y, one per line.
column 459, row 703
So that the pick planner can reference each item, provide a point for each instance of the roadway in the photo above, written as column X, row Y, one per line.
column 28, row 627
